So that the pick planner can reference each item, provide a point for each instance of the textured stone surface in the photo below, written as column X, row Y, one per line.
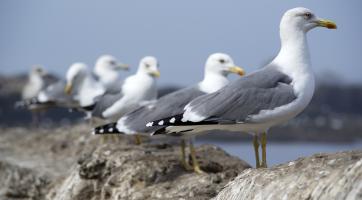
column 322, row 176
column 148, row 171
column 69, row 163
column 17, row 182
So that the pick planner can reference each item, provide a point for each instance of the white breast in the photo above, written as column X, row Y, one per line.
column 33, row 87
column 136, row 89
column 303, row 85
column 213, row 83
column 89, row 89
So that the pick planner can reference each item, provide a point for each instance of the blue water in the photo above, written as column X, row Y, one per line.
column 278, row 153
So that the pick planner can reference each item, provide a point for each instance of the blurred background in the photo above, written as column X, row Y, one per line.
column 181, row 34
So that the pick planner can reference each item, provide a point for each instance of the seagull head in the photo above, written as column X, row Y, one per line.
column 149, row 65
column 110, row 63
column 75, row 74
column 303, row 19
column 223, row 64
column 38, row 70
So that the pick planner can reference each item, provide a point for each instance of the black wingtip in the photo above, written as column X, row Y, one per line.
column 106, row 129
column 169, row 121
column 27, row 103
column 19, row 104
column 159, row 131
column 89, row 108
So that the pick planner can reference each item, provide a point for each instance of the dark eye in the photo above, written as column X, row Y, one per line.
column 147, row 65
column 308, row 15
column 112, row 62
column 222, row 61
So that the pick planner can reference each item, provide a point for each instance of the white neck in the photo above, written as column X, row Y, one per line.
column 294, row 60
column 140, row 87
column 212, row 82
column 293, row 56
column 88, row 90
column 106, row 76
column 36, row 79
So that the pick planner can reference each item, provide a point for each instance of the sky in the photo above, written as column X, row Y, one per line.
column 181, row 34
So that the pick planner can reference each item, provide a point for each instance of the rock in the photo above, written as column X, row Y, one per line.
column 148, row 171
column 17, row 182
column 322, row 176
column 68, row 163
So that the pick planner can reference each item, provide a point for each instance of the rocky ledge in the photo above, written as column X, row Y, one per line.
column 69, row 163
column 321, row 176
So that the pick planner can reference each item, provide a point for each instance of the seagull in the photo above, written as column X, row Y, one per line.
column 106, row 69
column 78, row 91
column 105, row 72
column 217, row 67
column 136, row 90
column 262, row 99
column 82, row 86
column 38, row 80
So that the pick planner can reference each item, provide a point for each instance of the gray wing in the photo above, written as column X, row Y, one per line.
column 115, row 88
column 55, row 93
column 103, row 102
column 265, row 89
column 167, row 105
column 49, row 79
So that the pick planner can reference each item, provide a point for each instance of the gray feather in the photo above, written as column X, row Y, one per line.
column 55, row 93
column 167, row 105
column 103, row 102
column 49, row 79
column 265, row 89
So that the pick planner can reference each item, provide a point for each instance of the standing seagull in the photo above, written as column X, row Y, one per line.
column 217, row 67
column 53, row 95
column 136, row 90
column 38, row 80
column 263, row 99
column 106, row 69
column 82, row 85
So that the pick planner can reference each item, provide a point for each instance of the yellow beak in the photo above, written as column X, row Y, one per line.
column 68, row 89
column 155, row 74
column 123, row 66
column 327, row 23
column 237, row 70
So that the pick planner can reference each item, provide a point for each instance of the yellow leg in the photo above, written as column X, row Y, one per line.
column 263, row 148
column 114, row 138
column 138, row 139
column 256, row 150
column 183, row 156
column 195, row 163
column 103, row 139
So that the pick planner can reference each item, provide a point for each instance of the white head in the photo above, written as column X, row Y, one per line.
column 301, row 20
column 108, row 62
column 221, row 64
column 149, row 65
column 75, row 74
column 37, row 70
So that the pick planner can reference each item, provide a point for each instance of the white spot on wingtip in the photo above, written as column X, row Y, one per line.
column 149, row 124
column 160, row 123
column 172, row 120
column 110, row 129
column 101, row 130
